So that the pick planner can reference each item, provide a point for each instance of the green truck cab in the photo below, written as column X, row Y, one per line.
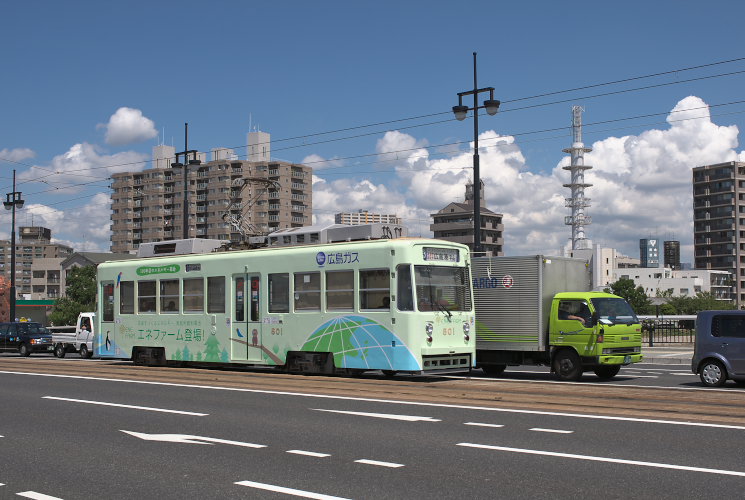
column 592, row 331
column 539, row 310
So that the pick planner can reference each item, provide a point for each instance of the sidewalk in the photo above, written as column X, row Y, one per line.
column 668, row 355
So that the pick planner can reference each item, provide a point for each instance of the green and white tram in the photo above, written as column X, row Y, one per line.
column 398, row 305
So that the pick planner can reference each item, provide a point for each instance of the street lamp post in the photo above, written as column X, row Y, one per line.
column 491, row 106
column 187, row 163
column 13, row 200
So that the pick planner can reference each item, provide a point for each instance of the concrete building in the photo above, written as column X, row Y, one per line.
column 37, row 263
column 679, row 283
column 364, row 217
column 455, row 223
column 672, row 254
column 649, row 252
column 228, row 199
column 719, row 222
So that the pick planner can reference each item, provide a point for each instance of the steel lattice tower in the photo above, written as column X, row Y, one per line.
column 578, row 220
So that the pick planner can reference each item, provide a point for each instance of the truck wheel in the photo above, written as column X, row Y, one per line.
column 607, row 371
column 494, row 370
column 84, row 352
column 713, row 373
column 567, row 365
column 60, row 351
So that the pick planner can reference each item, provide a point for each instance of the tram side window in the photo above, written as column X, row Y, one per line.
column 375, row 289
column 279, row 293
column 146, row 296
column 404, row 294
column 127, row 297
column 216, row 294
column 340, row 290
column 169, row 296
column 107, row 295
column 194, row 295
column 308, row 291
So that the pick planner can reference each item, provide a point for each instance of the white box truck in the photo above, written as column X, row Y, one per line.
column 539, row 310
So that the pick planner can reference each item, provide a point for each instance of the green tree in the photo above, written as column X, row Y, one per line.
column 704, row 301
column 80, row 296
column 635, row 296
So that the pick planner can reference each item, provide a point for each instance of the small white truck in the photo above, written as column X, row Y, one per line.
column 78, row 338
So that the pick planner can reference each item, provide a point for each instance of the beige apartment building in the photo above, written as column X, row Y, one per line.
column 228, row 199
column 38, row 260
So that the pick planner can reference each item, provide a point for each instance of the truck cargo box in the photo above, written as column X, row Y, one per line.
column 513, row 298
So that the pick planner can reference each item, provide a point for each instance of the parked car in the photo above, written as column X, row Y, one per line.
column 719, row 349
column 25, row 338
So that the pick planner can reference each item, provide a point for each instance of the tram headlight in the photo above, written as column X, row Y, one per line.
column 466, row 331
column 428, row 329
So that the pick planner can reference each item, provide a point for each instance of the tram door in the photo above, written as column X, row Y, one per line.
column 245, row 337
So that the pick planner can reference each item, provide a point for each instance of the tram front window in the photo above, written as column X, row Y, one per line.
column 442, row 288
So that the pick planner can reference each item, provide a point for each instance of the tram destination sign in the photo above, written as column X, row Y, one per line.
column 441, row 254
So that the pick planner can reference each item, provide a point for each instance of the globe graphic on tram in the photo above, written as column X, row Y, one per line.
column 359, row 342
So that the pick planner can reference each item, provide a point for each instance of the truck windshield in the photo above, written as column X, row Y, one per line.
column 614, row 310
column 442, row 288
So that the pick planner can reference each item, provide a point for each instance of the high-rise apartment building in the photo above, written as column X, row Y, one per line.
column 228, row 199
column 455, row 223
column 38, row 260
column 719, row 221
column 364, row 217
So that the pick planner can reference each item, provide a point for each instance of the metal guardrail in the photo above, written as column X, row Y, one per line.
column 679, row 329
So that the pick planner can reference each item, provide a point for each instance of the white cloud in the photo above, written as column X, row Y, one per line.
column 80, row 166
column 16, row 154
column 84, row 228
column 641, row 185
column 128, row 126
column 317, row 162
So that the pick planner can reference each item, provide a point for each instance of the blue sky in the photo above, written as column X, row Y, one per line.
column 296, row 69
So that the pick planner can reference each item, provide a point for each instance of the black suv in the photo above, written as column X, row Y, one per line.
column 25, row 337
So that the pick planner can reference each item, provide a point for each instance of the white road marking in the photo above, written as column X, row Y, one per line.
column 309, row 453
column 36, row 496
column 556, row 431
column 420, row 403
column 407, row 418
column 604, row 459
column 288, row 491
column 102, row 403
column 185, row 438
column 381, row 464
column 483, row 425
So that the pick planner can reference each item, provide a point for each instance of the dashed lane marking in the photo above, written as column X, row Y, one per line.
column 288, row 491
column 309, row 453
column 604, row 459
column 36, row 496
column 555, row 431
column 381, row 464
column 103, row 403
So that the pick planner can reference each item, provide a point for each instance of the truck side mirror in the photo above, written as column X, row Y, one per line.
column 594, row 319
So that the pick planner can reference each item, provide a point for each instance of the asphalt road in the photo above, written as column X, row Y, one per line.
column 95, row 429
